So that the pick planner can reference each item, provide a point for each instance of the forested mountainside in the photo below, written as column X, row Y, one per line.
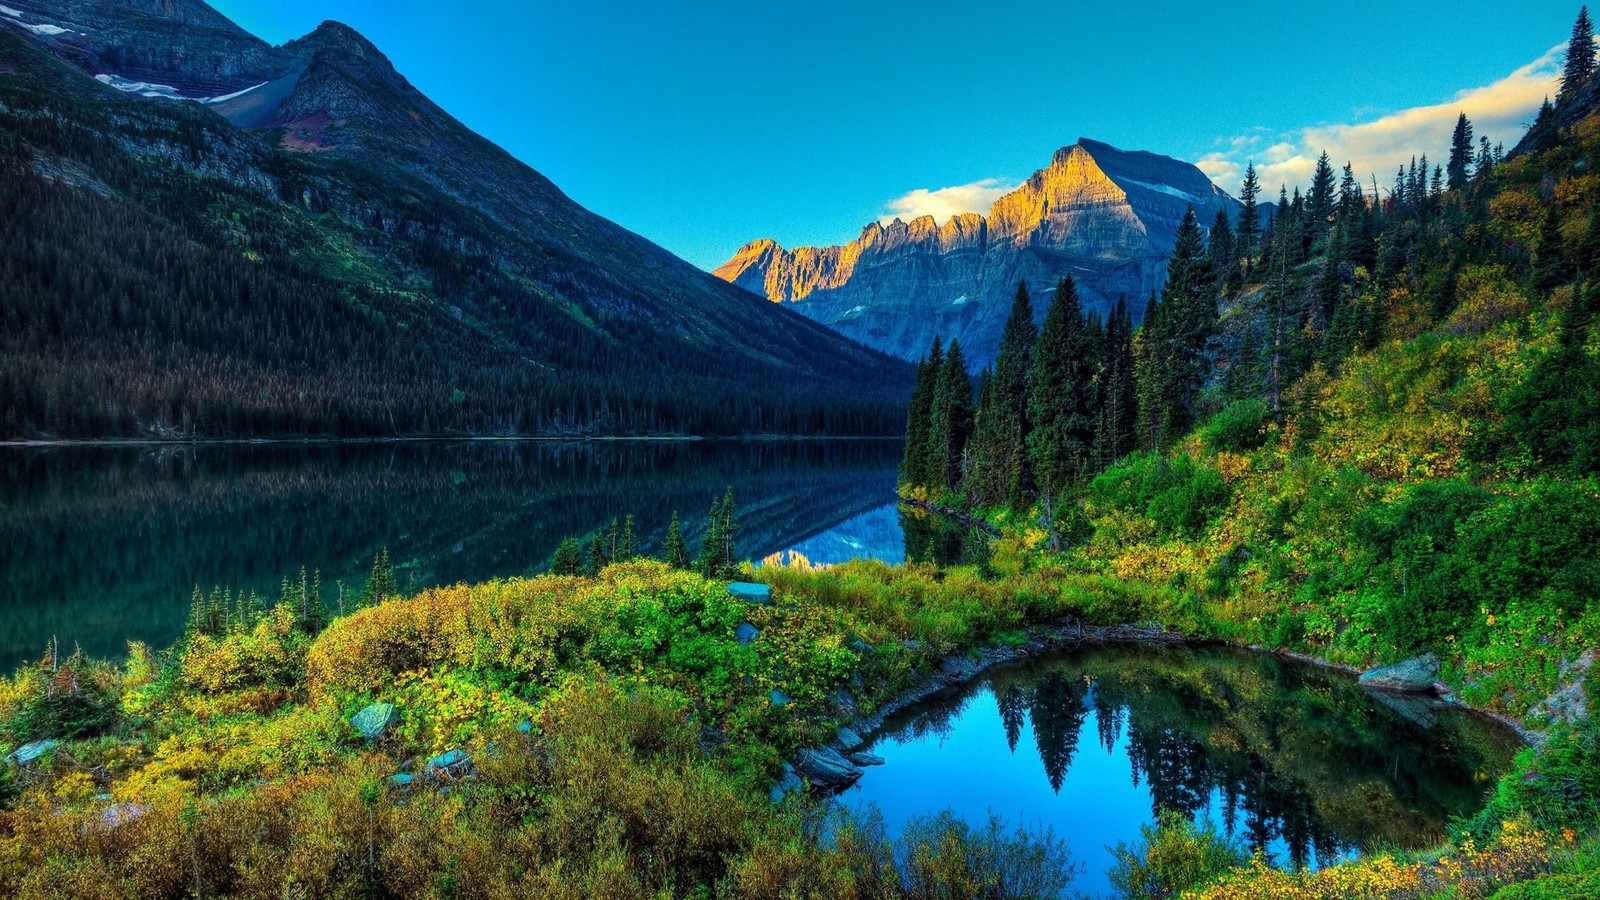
column 1107, row 217
column 1373, row 435
column 317, row 249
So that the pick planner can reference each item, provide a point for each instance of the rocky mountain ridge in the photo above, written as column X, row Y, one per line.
column 1108, row 217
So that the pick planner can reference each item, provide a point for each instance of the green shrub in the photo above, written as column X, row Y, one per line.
column 1182, row 496
column 1174, row 855
column 942, row 856
column 1241, row 426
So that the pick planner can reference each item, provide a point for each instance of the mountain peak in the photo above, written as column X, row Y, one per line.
column 1106, row 216
column 337, row 35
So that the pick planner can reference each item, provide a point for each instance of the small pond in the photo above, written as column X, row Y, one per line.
column 1285, row 757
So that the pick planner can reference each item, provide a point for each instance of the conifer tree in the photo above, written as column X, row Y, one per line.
column 1220, row 248
column 1249, row 219
column 627, row 551
column 1580, row 55
column 1550, row 256
column 1116, row 405
column 919, row 419
column 597, row 553
column 674, row 552
column 1060, row 402
column 1168, row 362
column 1319, row 203
column 951, row 423
column 568, row 558
column 708, row 562
column 380, row 583
column 1000, row 468
column 1460, row 154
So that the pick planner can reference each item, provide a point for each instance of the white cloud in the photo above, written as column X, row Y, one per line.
column 1500, row 111
column 945, row 202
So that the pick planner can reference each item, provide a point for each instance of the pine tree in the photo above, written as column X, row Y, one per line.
column 597, row 554
column 380, row 583
column 568, row 558
column 951, row 423
column 1249, row 218
column 1319, row 204
column 1060, row 402
column 1580, row 55
column 1168, row 362
column 727, row 528
column 1116, row 404
column 1550, row 256
column 627, row 539
column 674, row 552
column 1000, row 458
column 1460, row 154
column 708, row 562
column 614, row 541
column 1220, row 248
column 919, row 420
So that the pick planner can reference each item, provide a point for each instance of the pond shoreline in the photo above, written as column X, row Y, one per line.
column 954, row 671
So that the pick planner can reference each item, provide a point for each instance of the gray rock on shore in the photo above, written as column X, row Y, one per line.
column 1413, row 676
column 827, row 768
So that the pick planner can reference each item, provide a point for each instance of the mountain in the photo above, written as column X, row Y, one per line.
column 404, row 274
column 1105, row 216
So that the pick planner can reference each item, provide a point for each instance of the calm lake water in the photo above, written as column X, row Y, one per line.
column 101, row 545
column 1284, row 757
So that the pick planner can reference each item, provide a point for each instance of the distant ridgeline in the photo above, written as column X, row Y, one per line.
column 204, row 235
column 1107, row 217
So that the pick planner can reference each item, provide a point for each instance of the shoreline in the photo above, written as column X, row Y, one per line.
column 428, row 439
column 954, row 671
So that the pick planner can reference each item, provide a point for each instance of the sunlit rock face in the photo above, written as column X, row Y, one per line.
column 1107, row 217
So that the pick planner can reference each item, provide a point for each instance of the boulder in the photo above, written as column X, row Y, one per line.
column 759, row 594
column 30, row 752
column 849, row 739
column 122, row 813
column 1415, row 676
column 779, row 698
column 450, row 764
column 827, row 768
column 786, row 785
column 375, row 721
column 401, row 779
column 746, row 634
column 863, row 758
column 843, row 701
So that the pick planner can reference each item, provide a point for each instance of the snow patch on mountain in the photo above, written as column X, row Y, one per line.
column 165, row 91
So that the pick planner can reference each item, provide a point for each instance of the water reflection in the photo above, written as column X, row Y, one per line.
column 99, row 545
column 1289, row 759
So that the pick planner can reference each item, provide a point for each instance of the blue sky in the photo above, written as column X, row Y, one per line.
column 703, row 125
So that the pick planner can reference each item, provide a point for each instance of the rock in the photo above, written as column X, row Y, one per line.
column 375, row 721
column 1415, row 675
column 759, row 594
column 827, row 768
column 450, row 764
column 525, row 726
column 786, row 785
column 401, row 779
column 746, row 634
column 122, row 813
column 30, row 752
column 848, row 739
column 863, row 758
column 1103, row 215
column 779, row 698
column 843, row 701
column 914, row 645
column 862, row 647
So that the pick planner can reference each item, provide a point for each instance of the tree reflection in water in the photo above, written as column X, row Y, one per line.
column 1289, row 759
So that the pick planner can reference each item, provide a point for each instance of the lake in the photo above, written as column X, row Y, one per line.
column 1285, row 757
column 103, row 544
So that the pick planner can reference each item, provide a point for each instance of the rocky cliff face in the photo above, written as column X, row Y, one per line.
column 1105, row 216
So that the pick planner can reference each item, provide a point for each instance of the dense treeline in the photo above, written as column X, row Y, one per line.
column 164, row 274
